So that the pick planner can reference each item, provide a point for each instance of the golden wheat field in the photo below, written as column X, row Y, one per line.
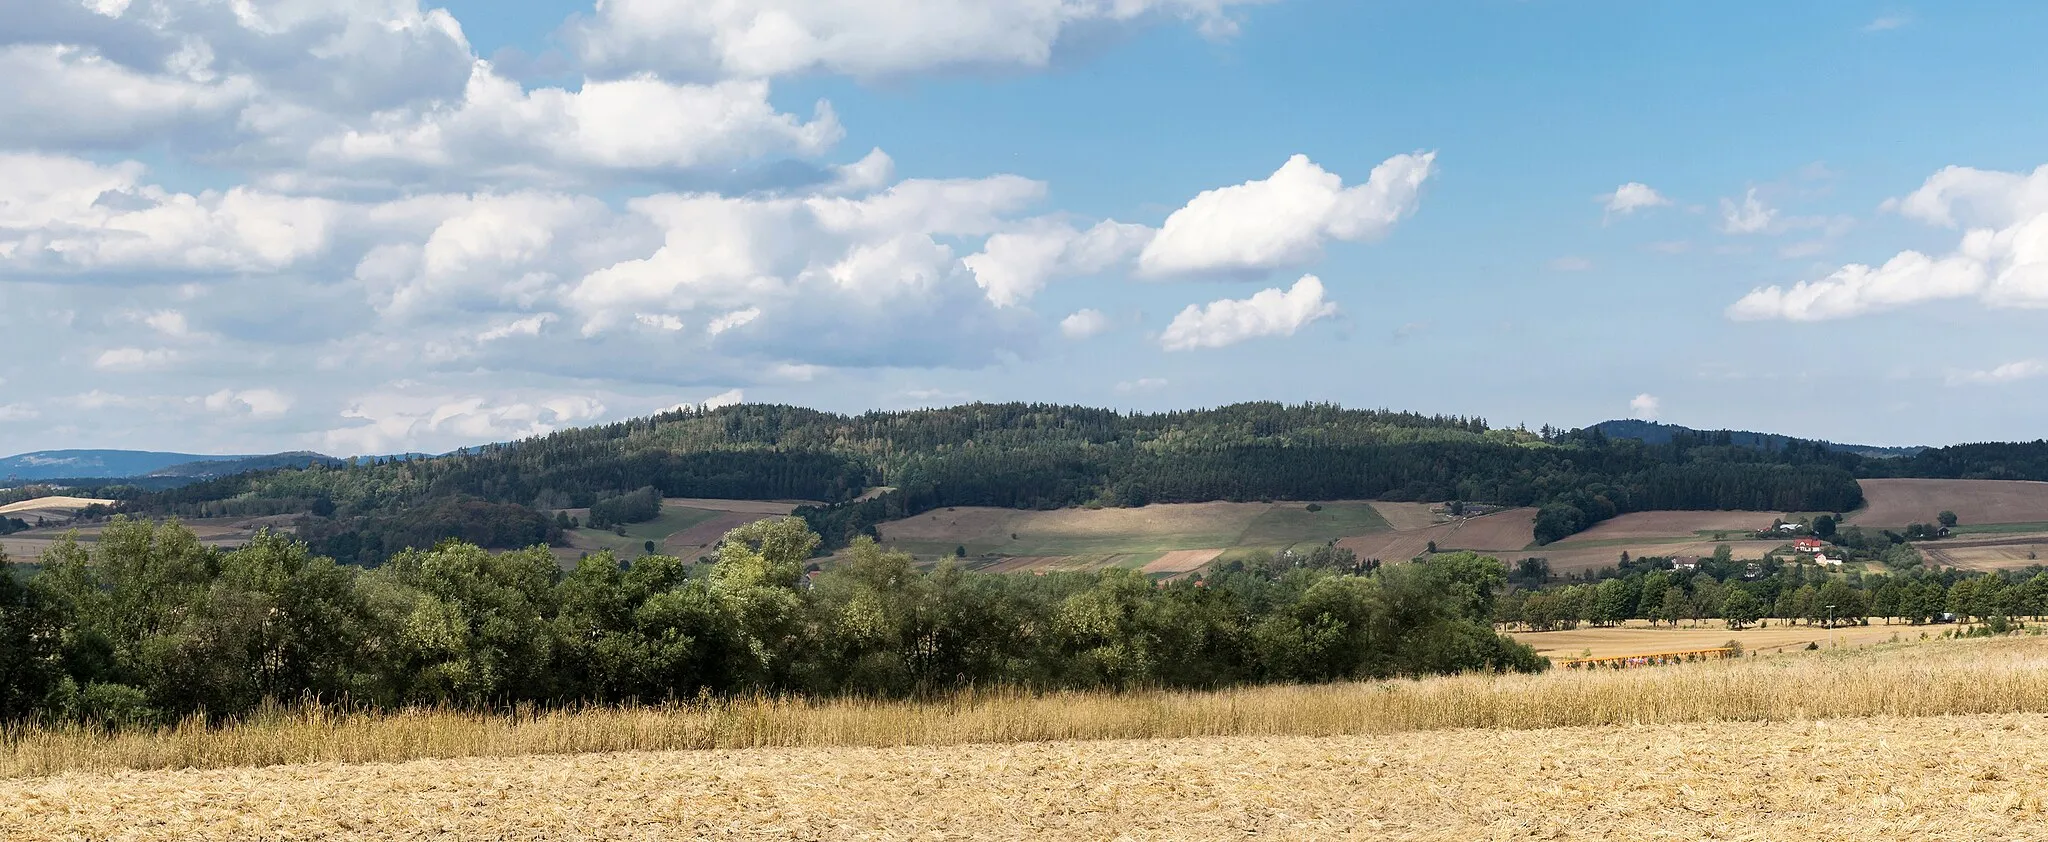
column 1935, row 740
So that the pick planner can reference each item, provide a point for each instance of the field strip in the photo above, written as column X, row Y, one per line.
column 1885, row 778
column 1939, row 677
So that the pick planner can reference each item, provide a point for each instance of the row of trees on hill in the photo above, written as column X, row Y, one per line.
column 148, row 625
column 1791, row 594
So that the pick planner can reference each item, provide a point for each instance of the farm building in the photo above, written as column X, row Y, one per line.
column 1826, row 560
column 1686, row 563
column 1808, row 545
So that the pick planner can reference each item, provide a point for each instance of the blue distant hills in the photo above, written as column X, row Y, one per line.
column 137, row 464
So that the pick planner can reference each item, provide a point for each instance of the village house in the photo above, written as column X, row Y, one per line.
column 1826, row 560
column 1808, row 545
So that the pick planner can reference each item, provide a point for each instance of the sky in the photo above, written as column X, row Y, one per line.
column 375, row 226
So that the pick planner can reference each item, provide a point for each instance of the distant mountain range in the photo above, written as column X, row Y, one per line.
column 126, row 464
column 1652, row 432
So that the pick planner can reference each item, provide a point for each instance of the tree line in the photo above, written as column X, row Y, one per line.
column 1720, row 588
column 148, row 625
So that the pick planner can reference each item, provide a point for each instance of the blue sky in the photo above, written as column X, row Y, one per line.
column 378, row 225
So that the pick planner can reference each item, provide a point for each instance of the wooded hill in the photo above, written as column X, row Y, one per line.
column 1020, row 456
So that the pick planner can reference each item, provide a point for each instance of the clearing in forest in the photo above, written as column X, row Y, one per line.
column 1896, row 503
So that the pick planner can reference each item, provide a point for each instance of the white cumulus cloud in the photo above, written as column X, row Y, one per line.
column 134, row 359
column 866, row 38
column 731, row 397
column 260, row 403
column 1632, row 197
column 1270, row 312
column 1283, row 220
column 1084, row 323
column 2002, row 259
column 1645, row 406
column 1014, row 265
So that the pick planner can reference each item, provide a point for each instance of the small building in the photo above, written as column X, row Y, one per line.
column 1826, row 560
column 1808, row 545
column 1788, row 527
column 1690, row 562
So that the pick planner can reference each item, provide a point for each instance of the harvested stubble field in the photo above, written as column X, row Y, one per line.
column 1895, row 503
column 1961, row 778
column 1676, row 525
column 1638, row 638
column 1077, row 539
column 2016, row 551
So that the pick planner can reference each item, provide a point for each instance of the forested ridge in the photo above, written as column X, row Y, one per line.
column 1048, row 456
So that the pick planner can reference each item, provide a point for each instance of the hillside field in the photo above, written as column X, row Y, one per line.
column 1895, row 503
column 1938, row 740
column 1161, row 538
column 687, row 528
column 1505, row 533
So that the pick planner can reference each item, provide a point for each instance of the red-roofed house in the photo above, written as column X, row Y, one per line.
column 1808, row 545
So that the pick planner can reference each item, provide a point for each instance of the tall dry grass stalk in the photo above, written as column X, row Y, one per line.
column 1929, row 679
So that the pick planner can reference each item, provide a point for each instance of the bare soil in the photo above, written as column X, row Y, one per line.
column 1894, row 503
column 1182, row 561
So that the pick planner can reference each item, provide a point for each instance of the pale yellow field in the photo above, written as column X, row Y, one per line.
column 1989, row 551
column 1181, row 561
column 1404, row 516
column 1675, row 524
column 56, row 506
column 1638, row 638
column 1948, row 778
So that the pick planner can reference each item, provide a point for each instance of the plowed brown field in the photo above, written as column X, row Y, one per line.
column 1673, row 524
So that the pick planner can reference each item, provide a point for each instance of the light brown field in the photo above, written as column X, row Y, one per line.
column 757, row 507
column 1896, row 503
column 975, row 524
column 1403, row 516
column 56, row 506
column 1564, row 557
column 1639, row 638
column 2016, row 551
column 1674, row 524
column 1947, row 778
column 1502, row 532
column 1181, row 561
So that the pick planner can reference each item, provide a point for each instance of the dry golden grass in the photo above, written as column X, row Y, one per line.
column 1926, row 679
column 1962, row 778
column 54, row 506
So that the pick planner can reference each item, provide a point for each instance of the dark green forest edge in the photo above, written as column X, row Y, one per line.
column 1042, row 456
column 149, row 626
